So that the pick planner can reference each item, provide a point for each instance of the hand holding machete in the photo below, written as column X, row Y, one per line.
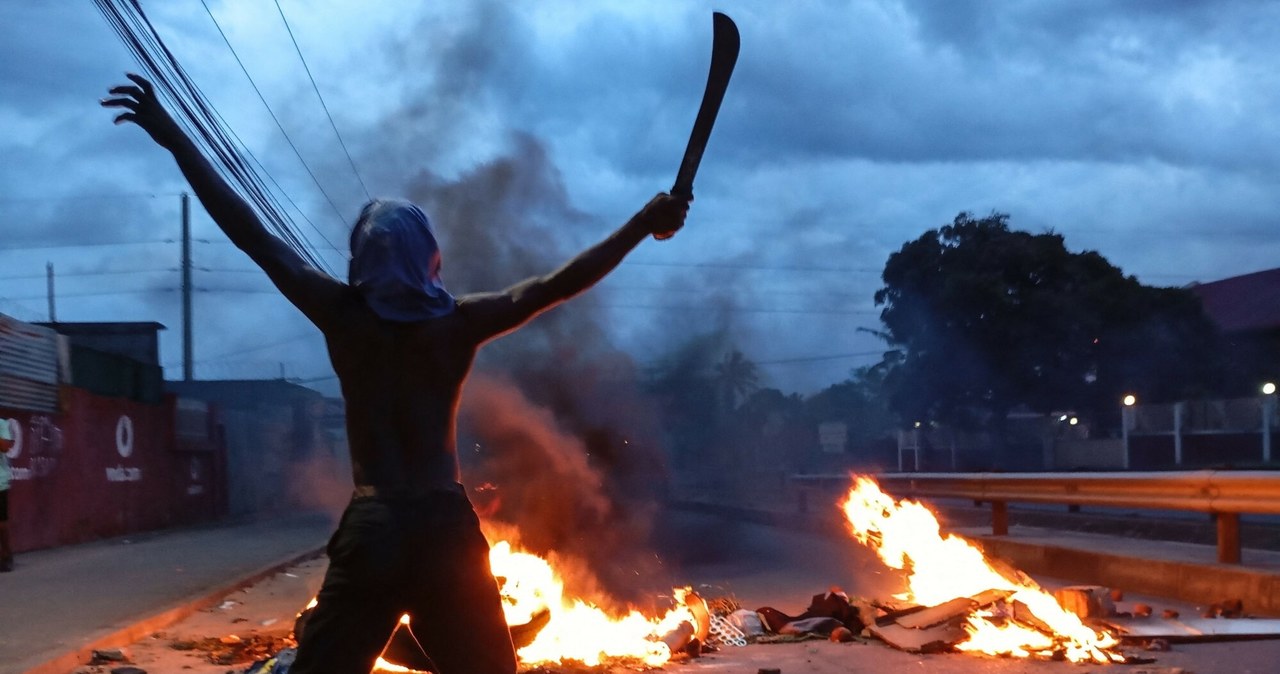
column 724, row 55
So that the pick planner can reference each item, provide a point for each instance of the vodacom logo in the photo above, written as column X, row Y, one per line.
column 124, row 436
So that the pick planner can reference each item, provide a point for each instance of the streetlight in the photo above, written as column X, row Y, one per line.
column 1268, row 411
column 1126, row 421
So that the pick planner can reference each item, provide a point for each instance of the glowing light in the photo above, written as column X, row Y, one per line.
column 1130, row 400
column 1268, row 388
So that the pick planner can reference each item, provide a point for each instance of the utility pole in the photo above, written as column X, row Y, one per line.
column 53, row 308
column 187, row 374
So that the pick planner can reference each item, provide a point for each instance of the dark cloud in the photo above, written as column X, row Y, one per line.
column 1140, row 129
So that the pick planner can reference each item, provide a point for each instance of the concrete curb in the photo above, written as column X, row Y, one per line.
column 1200, row 583
column 136, row 631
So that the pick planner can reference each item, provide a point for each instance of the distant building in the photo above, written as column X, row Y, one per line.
column 138, row 340
column 1246, row 309
column 116, row 359
column 286, row 444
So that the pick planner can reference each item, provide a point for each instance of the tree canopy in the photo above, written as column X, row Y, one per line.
column 985, row 318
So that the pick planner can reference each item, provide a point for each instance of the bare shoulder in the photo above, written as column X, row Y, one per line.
column 484, row 315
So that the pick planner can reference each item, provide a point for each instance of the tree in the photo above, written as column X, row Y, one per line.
column 858, row 401
column 736, row 378
column 985, row 318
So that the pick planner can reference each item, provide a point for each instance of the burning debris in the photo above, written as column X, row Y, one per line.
column 972, row 606
column 955, row 600
column 550, row 626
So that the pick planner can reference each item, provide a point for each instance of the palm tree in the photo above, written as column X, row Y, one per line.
column 736, row 378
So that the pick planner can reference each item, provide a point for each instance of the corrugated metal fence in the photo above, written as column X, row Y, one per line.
column 28, row 366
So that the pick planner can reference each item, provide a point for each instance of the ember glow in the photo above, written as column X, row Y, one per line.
column 906, row 535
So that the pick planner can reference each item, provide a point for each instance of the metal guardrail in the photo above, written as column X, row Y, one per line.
column 1225, row 494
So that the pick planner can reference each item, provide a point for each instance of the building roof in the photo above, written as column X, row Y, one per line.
column 1247, row 303
column 243, row 393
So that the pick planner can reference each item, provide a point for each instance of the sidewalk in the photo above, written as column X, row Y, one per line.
column 62, row 600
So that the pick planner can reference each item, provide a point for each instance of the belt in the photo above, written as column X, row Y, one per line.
column 369, row 491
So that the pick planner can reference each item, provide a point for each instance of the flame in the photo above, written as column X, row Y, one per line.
column 577, row 629
column 939, row 568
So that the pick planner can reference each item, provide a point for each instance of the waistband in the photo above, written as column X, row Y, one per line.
column 369, row 491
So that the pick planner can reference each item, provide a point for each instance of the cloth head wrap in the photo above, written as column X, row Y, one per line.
column 395, row 262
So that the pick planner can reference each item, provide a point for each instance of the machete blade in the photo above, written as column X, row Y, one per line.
column 724, row 55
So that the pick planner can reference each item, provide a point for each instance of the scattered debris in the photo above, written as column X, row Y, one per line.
column 935, row 639
column 234, row 650
column 1086, row 601
column 105, row 655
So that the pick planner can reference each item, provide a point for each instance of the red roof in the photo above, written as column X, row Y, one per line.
column 1248, row 303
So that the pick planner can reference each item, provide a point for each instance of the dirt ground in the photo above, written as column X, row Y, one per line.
column 246, row 626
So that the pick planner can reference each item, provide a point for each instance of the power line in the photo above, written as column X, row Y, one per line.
column 63, row 274
column 756, row 267
column 102, row 293
column 320, row 187
column 95, row 244
column 88, row 197
column 216, row 270
column 206, row 128
column 748, row 310
column 810, row 359
column 310, row 334
column 322, row 103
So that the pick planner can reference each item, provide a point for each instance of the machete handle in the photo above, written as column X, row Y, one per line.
column 679, row 194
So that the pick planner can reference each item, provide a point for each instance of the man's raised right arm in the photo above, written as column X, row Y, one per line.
column 495, row 314
column 309, row 289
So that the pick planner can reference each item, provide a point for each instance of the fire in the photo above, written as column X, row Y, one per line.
column 906, row 535
column 575, row 629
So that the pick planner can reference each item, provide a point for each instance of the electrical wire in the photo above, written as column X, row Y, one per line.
column 202, row 123
column 316, row 87
column 256, row 90
column 95, row 244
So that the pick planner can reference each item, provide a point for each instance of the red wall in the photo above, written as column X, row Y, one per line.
column 106, row 467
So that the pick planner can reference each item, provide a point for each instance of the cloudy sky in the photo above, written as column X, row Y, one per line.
column 1146, row 130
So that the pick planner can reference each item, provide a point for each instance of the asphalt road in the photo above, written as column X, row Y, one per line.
column 58, row 598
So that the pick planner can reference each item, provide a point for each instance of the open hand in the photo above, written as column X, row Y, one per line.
column 144, row 109
column 664, row 215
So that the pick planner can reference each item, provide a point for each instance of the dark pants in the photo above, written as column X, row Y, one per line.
column 424, row 556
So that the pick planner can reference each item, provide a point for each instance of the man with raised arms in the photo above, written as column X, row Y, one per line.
column 409, row 542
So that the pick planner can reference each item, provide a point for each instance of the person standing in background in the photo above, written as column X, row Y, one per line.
column 6, row 443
